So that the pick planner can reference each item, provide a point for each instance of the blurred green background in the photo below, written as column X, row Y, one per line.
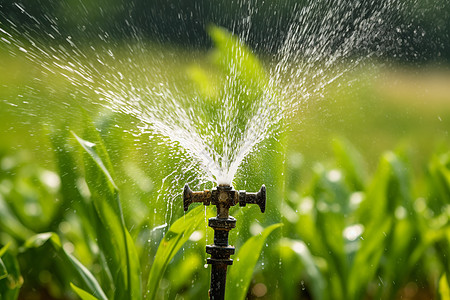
column 360, row 222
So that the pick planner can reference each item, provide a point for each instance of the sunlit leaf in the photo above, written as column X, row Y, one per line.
column 82, row 293
column 69, row 176
column 87, row 279
column 10, row 224
column 3, row 270
column 444, row 288
column 112, row 234
column 10, row 277
column 367, row 259
column 350, row 161
column 240, row 273
column 178, row 234
column 314, row 276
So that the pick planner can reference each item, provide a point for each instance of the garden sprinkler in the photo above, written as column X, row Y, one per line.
column 223, row 197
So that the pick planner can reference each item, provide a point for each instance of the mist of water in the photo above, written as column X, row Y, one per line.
column 324, row 41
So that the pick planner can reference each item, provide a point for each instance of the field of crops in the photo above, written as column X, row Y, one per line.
column 358, row 180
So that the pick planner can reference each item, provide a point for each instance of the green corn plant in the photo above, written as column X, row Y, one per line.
column 109, row 223
column 362, row 237
column 235, row 80
column 10, row 277
column 240, row 274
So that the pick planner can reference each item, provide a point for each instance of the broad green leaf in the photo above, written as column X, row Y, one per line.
column 241, row 77
column 316, row 280
column 367, row 259
column 389, row 188
column 444, row 289
column 112, row 234
column 82, row 293
column 178, row 234
column 69, row 176
column 331, row 203
column 240, row 273
column 88, row 280
column 350, row 161
column 3, row 270
column 4, row 249
column 10, row 224
column 72, row 197
column 232, row 54
column 10, row 281
column 439, row 168
column 134, row 269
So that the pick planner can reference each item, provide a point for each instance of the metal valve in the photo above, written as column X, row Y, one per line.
column 190, row 197
column 225, row 196
column 254, row 198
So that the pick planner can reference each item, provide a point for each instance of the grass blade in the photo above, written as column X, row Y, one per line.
column 240, row 274
column 367, row 259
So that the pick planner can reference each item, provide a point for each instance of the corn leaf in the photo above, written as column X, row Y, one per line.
column 315, row 278
column 351, row 163
column 3, row 270
column 86, row 278
column 82, row 293
column 240, row 274
column 112, row 234
column 178, row 234
column 444, row 288
column 67, row 167
column 367, row 259
column 11, row 279
column 10, row 224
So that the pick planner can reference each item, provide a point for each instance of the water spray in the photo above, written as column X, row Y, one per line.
column 223, row 197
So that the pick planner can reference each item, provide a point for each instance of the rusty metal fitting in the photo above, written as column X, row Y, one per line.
column 224, row 196
column 258, row 198
column 190, row 197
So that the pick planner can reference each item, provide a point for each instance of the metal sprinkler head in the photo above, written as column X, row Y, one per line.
column 223, row 197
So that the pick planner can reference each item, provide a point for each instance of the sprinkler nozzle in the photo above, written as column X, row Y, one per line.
column 190, row 197
column 254, row 198
column 224, row 196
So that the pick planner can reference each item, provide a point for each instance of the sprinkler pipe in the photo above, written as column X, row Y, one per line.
column 223, row 197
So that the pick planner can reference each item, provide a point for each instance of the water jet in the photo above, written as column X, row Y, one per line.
column 223, row 197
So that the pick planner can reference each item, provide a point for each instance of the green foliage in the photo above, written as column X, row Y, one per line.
column 234, row 80
column 10, row 278
column 295, row 253
column 347, row 235
column 444, row 289
column 240, row 275
column 86, row 278
column 113, row 237
column 366, row 239
column 350, row 238
column 175, row 238
column 82, row 294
